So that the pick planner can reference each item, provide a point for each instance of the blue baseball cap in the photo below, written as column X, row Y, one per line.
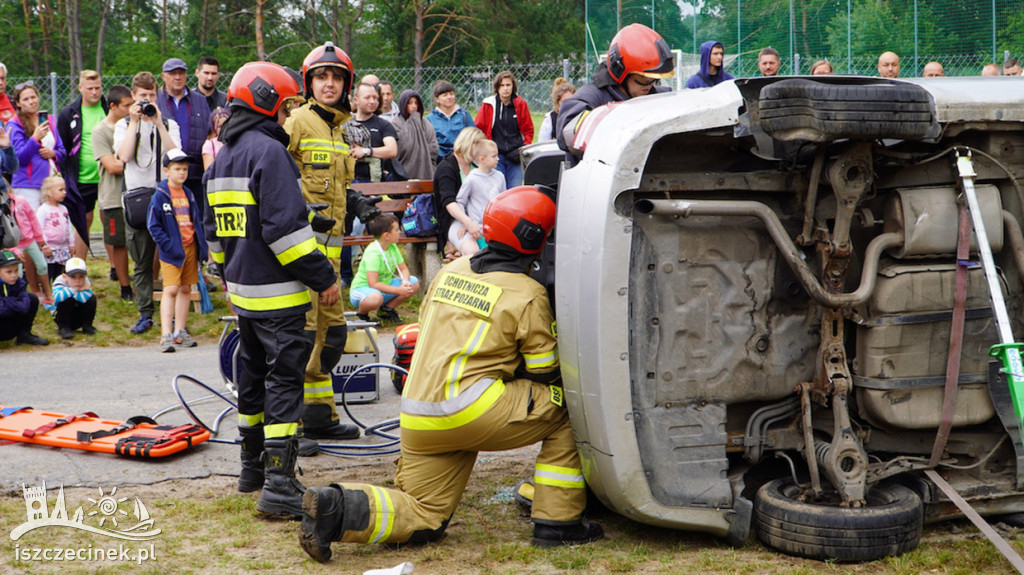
column 175, row 64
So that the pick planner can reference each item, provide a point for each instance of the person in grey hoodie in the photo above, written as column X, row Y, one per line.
column 712, row 66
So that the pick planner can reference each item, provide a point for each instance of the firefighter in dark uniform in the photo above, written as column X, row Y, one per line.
column 637, row 58
column 260, row 235
column 485, row 377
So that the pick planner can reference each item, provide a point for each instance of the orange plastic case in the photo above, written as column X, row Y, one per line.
column 138, row 437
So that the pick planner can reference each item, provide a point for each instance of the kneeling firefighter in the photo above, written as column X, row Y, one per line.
column 260, row 237
column 485, row 377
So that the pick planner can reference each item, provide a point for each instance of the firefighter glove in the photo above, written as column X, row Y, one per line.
column 363, row 206
column 320, row 224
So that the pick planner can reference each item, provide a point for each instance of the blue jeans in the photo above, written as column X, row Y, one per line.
column 513, row 172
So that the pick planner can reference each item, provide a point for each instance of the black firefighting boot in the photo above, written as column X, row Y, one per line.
column 554, row 534
column 324, row 510
column 307, row 447
column 251, row 477
column 317, row 424
column 282, row 492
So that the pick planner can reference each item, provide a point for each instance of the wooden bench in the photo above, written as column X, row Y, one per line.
column 423, row 259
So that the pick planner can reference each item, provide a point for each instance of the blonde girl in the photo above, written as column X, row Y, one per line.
column 58, row 232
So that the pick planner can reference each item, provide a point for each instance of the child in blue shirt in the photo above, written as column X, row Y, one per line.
column 73, row 300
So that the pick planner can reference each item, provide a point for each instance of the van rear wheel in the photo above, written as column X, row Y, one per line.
column 889, row 524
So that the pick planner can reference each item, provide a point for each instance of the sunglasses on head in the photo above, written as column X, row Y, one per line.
column 23, row 85
column 643, row 83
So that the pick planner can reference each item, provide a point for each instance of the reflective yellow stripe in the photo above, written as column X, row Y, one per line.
column 458, row 419
column 555, row 476
column 579, row 121
column 237, row 197
column 272, row 302
column 384, row 517
column 250, row 420
column 458, row 364
column 217, row 256
column 330, row 251
column 295, row 252
column 539, row 360
column 318, row 388
column 309, row 144
column 275, row 430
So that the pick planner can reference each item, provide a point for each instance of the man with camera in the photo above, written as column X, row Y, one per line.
column 140, row 140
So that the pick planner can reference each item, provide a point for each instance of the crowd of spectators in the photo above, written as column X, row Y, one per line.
column 100, row 146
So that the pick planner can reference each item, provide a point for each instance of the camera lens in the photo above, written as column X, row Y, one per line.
column 147, row 108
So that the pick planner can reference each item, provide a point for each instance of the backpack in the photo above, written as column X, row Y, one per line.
column 420, row 219
column 10, row 235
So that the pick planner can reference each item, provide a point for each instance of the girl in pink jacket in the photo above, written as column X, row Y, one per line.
column 32, row 249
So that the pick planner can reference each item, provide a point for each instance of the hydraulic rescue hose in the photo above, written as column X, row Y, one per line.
column 379, row 429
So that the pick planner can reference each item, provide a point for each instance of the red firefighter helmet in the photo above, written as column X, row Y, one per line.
column 520, row 218
column 637, row 49
column 263, row 87
column 324, row 56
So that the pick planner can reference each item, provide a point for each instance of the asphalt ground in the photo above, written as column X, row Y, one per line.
column 118, row 383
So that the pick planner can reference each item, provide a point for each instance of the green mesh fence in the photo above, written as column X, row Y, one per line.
column 963, row 35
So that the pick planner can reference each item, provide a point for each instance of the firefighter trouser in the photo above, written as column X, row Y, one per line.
column 435, row 466
column 325, row 326
column 271, row 353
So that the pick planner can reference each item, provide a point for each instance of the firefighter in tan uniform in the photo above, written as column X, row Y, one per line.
column 320, row 148
column 484, row 377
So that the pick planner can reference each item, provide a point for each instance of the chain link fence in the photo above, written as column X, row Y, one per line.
column 474, row 83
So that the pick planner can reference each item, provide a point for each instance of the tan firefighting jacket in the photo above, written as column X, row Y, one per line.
column 475, row 330
column 321, row 151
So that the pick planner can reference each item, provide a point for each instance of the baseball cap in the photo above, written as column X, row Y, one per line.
column 75, row 266
column 7, row 258
column 175, row 155
column 175, row 64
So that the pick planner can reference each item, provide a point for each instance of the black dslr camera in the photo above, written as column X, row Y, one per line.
column 148, row 109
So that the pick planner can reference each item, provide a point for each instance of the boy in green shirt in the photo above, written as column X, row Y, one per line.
column 382, row 281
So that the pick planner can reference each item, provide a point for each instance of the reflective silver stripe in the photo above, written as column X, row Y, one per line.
column 548, row 474
column 449, row 406
column 291, row 240
column 541, row 359
column 334, row 241
column 267, row 290
column 227, row 184
column 459, row 363
column 214, row 246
